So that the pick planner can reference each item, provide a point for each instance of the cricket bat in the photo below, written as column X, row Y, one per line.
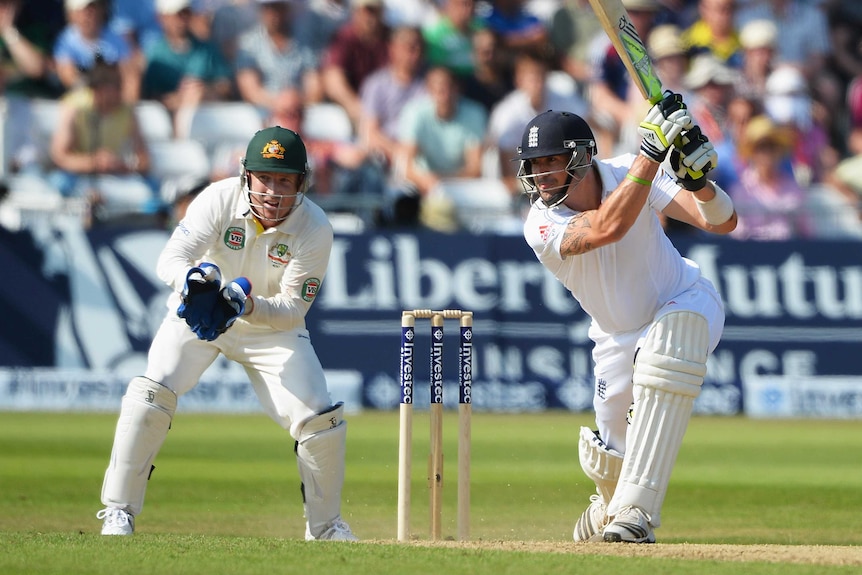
column 615, row 20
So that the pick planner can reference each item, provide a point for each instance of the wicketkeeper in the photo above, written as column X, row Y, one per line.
column 254, row 232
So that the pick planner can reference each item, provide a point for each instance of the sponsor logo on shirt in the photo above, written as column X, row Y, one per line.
column 309, row 289
column 234, row 238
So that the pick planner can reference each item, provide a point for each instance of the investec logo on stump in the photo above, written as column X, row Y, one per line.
column 437, row 365
column 407, row 344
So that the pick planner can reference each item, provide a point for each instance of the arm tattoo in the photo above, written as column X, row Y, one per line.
column 574, row 238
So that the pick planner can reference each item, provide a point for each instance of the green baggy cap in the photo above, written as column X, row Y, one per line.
column 276, row 149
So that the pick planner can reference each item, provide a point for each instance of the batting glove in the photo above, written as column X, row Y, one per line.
column 663, row 123
column 199, row 294
column 692, row 156
column 228, row 306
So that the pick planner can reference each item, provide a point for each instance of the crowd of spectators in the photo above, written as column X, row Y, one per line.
column 423, row 91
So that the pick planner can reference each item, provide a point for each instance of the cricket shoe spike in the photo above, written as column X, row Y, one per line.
column 116, row 521
column 592, row 521
column 630, row 525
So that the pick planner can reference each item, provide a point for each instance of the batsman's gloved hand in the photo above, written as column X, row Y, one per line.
column 199, row 294
column 662, row 124
column 229, row 305
column 692, row 156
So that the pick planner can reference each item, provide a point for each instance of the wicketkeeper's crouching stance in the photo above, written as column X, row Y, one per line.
column 594, row 224
column 261, row 230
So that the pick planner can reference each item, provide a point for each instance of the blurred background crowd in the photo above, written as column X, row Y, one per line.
column 120, row 110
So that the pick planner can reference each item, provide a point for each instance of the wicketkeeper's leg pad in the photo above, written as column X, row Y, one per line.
column 320, row 452
column 600, row 463
column 145, row 417
column 668, row 375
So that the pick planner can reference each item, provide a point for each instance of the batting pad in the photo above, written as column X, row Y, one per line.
column 145, row 417
column 601, row 463
column 668, row 374
column 320, row 453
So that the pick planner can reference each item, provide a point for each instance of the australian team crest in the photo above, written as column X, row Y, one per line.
column 279, row 255
column 273, row 149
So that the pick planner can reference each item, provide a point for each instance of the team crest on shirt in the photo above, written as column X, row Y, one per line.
column 234, row 238
column 545, row 232
column 309, row 289
column 273, row 149
column 279, row 255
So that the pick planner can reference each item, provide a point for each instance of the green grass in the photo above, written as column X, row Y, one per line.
column 224, row 498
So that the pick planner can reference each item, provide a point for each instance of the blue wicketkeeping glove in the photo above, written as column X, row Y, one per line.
column 229, row 305
column 199, row 295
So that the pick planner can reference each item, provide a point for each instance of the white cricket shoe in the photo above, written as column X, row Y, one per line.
column 338, row 530
column 117, row 521
column 630, row 525
column 592, row 521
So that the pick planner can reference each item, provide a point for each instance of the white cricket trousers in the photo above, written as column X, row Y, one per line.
column 614, row 356
column 282, row 366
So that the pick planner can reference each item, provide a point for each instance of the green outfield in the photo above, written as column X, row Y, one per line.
column 746, row 497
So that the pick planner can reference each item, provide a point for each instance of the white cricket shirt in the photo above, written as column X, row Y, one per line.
column 285, row 264
column 621, row 285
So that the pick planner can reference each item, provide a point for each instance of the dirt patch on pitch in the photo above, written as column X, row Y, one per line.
column 807, row 554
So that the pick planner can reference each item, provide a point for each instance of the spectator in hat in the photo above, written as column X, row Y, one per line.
column 712, row 84
column 669, row 58
column 846, row 182
column 757, row 39
column 269, row 59
column 87, row 36
column 804, row 40
column 804, row 43
column 767, row 198
column 788, row 102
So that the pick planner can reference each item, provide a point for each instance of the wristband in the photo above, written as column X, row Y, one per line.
column 643, row 182
column 717, row 210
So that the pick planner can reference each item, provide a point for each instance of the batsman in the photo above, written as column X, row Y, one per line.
column 654, row 318
column 245, row 264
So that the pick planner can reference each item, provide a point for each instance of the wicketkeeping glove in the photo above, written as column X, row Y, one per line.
column 692, row 156
column 199, row 294
column 662, row 124
column 229, row 305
